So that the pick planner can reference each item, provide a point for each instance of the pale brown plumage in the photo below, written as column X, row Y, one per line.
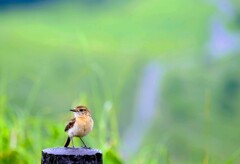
column 80, row 125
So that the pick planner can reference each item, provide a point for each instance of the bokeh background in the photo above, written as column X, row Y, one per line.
column 162, row 78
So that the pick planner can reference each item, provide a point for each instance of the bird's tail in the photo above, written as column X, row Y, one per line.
column 67, row 142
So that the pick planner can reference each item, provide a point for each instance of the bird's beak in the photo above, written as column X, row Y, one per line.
column 73, row 110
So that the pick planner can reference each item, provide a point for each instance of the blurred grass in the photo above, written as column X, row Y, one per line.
column 150, row 27
column 55, row 56
column 23, row 136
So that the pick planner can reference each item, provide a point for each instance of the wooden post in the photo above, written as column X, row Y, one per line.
column 64, row 155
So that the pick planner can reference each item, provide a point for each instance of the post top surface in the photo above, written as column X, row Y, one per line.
column 71, row 151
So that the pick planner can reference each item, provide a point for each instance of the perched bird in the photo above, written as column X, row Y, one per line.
column 80, row 125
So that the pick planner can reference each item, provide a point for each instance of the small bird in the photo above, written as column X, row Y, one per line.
column 80, row 125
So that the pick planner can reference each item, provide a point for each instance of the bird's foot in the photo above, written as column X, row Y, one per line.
column 85, row 147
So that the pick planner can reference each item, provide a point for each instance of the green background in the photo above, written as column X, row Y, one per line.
column 56, row 55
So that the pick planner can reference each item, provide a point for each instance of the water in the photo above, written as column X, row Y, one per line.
column 146, row 106
column 222, row 41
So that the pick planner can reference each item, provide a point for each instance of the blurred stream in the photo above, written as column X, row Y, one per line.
column 145, row 109
column 222, row 42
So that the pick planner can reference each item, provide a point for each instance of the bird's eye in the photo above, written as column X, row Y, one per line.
column 81, row 110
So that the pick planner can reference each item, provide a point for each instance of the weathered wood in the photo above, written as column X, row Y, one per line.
column 64, row 155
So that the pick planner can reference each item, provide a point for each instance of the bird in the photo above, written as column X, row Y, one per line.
column 80, row 125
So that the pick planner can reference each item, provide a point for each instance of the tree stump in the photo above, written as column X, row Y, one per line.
column 64, row 155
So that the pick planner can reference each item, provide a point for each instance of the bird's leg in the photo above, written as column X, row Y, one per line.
column 72, row 142
column 67, row 142
column 83, row 143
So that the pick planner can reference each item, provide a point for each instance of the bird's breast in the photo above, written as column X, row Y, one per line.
column 82, row 127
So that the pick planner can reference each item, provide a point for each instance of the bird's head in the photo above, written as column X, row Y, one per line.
column 81, row 111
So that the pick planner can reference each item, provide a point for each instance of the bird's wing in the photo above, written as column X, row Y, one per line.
column 70, row 124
